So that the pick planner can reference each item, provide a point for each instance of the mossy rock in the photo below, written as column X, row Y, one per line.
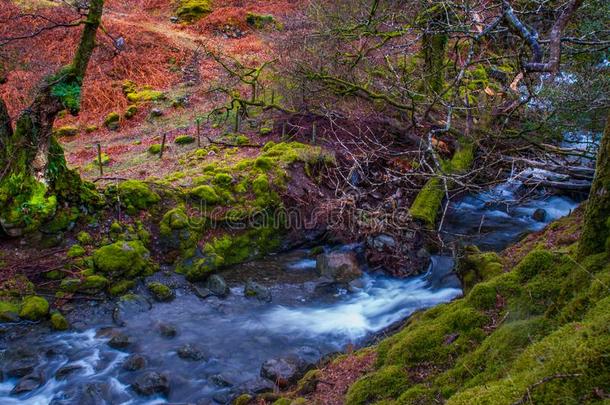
column 243, row 399
column 59, row 322
column 205, row 194
column 121, row 287
column 134, row 195
column 94, row 283
column 161, row 292
column 184, row 140
column 76, row 251
column 154, row 149
column 70, row 284
column 193, row 10
column 112, row 121
column 476, row 267
column 34, row 308
column 84, row 238
column 9, row 311
column 121, row 259
column 131, row 111
column 260, row 21
column 67, row 131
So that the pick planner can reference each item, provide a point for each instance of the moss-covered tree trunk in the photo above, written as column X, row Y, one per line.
column 596, row 229
column 434, row 47
column 31, row 158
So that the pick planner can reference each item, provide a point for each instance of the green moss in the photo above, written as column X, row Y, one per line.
column 8, row 311
column 236, row 139
column 160, row 291
column 76, row 251
column 426, row 205
column 134, row 195
column 131, row 111
column 475, row 267
column 84, row 238
column 91, row 128
column 223, row 179
column 66, row 131
column 112, row 120
column 144, row 95
column 206, row 194
column 121, row 287
column 259, row 21
column 388, row 382
column 122, row 259
column 58, row 321
column 94, row 283
column 154, row 149
column 70, row 284
column 193, row 10
column 184, row 140
column 34, row 308
column 243, row 399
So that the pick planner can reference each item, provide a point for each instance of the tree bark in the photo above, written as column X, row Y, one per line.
column 596, row 229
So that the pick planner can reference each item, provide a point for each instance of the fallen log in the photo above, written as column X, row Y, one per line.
column 428, row 202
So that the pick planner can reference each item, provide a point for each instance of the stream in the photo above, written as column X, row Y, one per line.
column 200, row 351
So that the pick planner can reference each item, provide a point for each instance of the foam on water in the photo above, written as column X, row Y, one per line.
column 381, row 303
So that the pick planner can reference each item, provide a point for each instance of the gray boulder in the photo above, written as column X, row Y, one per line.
column 342, row 267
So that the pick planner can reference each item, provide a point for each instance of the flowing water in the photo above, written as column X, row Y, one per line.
column 235, row 335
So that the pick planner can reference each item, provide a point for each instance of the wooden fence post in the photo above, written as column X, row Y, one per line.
column 162, row 146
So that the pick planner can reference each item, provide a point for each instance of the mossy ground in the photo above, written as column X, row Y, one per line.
column 537, row 333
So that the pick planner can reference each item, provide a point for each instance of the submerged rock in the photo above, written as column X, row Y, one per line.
column 167, row 330
column 256, row 386
column 539, row 215
column 120, row 340
column 253, row 289
column 28, row 383
column 151, row 383
column 342, row 267
column 65, row 371
column 191, row 352
column 134, row 362
column 128, row 306
column 19, row 362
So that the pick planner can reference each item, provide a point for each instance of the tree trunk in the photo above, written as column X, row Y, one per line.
column 596, row 229
column 434, row 48
column 29, row 170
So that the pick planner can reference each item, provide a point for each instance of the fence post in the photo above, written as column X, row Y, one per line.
column 162, row 146
column 99, row 159
column 198, row 121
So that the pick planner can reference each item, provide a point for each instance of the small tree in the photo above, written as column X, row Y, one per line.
column 35, row 175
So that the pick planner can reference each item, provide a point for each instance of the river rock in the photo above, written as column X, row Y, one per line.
column 223, row 380
column 191, row 352
column 255, row 386
column 19, row 362
column 134, row 362
column 168, row 330
column 28, row 383
column 120, row 340
column 156, row 112
column 383, row 241
column 151, row 383
column 539, row 215
column 342, row 267
column 129, row 306
column 217, row 286
column 9, row 317
column 253, row 289
column 63, row 372
column 287, row 370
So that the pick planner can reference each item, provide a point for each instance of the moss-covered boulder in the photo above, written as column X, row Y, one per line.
column 131, row 111
column 134, row 195
column 75, row 251
column 184, row 140
column 34, row 308
column 161, row 292
column 122, row 259
column 112, row 121
column 67, row 131
column 193, row 10
column 94, row 283
column 58, row 321
column 475, row 267
column 154, row 149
